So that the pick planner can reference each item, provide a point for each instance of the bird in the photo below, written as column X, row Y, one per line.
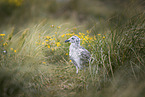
column 79, row 56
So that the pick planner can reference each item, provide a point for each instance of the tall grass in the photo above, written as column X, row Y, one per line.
column 39, row 57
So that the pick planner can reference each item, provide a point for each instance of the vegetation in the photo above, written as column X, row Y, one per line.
column 34, row 59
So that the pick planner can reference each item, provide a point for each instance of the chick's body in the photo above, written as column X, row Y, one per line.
column 78, row 54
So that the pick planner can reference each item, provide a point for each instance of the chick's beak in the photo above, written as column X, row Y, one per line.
column 67, row 41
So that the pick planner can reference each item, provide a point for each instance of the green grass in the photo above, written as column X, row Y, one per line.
column 37, row 62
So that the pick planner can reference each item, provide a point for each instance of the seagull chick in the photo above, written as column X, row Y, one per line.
column 78, row 54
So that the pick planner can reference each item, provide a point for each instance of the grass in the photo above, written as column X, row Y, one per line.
column 34, row 59
column 42, row 64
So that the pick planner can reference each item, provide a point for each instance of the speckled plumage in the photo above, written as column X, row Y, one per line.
column 78, row 54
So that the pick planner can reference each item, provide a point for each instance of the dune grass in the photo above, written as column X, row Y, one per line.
column 34, row 59
column 40, row 57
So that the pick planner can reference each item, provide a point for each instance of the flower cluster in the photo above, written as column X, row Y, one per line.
column 13, row 50
column 2, row 35
column 56, row 40
column 2, row 39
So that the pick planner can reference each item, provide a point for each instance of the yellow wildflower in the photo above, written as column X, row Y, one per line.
column 46, row 40
column 83, row 34
column 73, row 33
column 55, row 32
column 15, row 51
column 48, row 46
column 12, row 49
column 77, row 35
column 86, row 37
column 66, row 54
column 91, row 38
column 80, row 33
column 83, row 42
column 98, row 34
column 4, row 44
column 44, row 62
column 52, row 49
column 43, row 43
column 68, row 34
column 58, row 27
column 2, row 35
column 63, row 35
column 88, row 31
column 48, row 37
column 58, row 44
column 70, row 61
column 103, row 37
